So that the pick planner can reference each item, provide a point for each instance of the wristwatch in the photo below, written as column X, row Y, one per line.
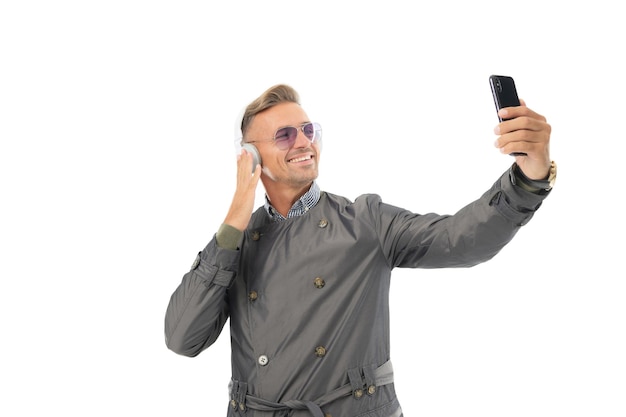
column 535, row 186
column 552, row 175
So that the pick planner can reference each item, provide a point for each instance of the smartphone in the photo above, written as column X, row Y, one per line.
column 504, row 92
column 504, row 95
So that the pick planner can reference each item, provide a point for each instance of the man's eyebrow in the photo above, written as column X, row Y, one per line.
column 299, row 124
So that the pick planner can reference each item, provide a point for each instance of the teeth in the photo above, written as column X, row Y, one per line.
column 304, row 158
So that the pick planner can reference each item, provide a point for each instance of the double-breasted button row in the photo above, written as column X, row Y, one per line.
column 320, row 352
column 322, row 223
column 318, row 282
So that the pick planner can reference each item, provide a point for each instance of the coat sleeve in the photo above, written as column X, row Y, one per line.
column 475, row 234
column 198, row 308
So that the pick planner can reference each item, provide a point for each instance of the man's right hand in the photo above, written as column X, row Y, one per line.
column 240, row 210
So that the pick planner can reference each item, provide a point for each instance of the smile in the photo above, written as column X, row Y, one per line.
column 300, row 159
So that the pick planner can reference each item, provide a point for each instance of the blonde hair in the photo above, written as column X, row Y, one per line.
column 279, row 93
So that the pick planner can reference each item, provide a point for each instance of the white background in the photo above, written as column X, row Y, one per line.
column 117, row 166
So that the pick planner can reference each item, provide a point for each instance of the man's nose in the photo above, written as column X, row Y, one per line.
column 301, row 140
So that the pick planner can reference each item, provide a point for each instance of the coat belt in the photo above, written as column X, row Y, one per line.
column 362, row 381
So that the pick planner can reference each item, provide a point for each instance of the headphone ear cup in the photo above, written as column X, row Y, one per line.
column 256, row 156
column 240, row 144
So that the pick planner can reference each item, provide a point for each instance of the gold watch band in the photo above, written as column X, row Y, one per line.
column 535, row 186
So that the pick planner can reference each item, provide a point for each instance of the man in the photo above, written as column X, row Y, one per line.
column 305, row 278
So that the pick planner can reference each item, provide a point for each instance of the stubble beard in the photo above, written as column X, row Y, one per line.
column 295, row 180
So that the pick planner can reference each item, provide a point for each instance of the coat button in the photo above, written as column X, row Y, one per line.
column 233, row 404
column 319, row 282
column 263, row 360
column 256, row 235
column 323, row 223
column 358, row 393
column 196, row 262
column 371, row 389
column 320, row 351
column 253, row 295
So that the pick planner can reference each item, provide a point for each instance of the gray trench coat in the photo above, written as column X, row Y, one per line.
column 308, row 298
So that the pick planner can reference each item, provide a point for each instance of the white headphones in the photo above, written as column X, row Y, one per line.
column 240, row 145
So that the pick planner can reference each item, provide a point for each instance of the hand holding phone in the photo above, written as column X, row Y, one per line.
column 504, row 95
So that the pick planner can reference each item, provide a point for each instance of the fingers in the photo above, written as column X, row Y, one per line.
column 526, row 132
column 523, row 128
column 519, row 111
column 241, row 207
column 244, row 168
column 523, row 141
column 522, row 124
column 245, row 160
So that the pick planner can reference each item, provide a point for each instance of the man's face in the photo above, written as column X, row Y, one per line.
column 296, row 166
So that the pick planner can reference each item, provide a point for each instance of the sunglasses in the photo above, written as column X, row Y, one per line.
column 285, row 137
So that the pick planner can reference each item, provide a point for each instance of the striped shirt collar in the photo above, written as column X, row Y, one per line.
column 304, row 204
